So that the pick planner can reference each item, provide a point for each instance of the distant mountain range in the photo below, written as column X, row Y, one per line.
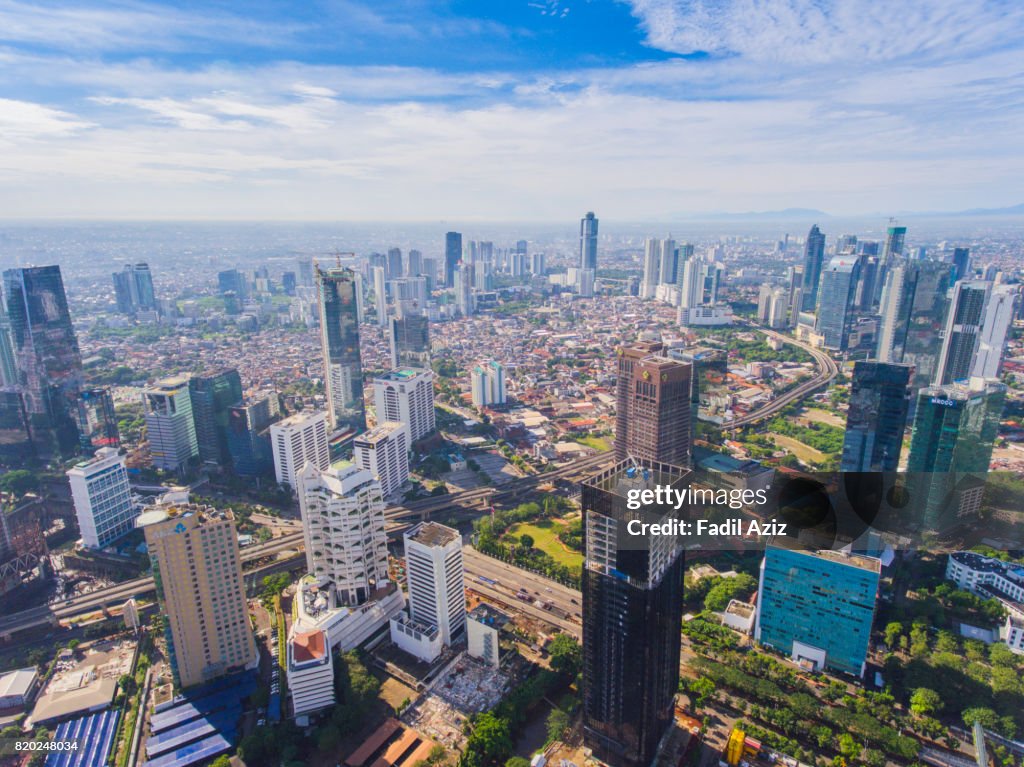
column 792, row 214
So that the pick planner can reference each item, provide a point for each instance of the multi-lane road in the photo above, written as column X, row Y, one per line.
column 827, row 370
column 463, row 505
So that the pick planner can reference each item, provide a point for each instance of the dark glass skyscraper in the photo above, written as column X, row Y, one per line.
column 835, row 302
column 97, row 423
column 894, row 240
column 814, row 255
column 248, row 436
column 133, row 288
column 632, row 610
column 877, row 417
column 588, row 242
column 963, row 330
column 212, row 395
column 410, row 342
column 339, row 336
column 652, row 418
column 962, row 264
column 46, row 354
column 452, row 256
column 955, row 428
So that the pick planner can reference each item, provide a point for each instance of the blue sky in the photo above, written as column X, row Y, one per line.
column 507, row 109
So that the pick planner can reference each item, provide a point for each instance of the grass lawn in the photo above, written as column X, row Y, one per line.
column 544, row 534
column 805, row 453
column 598, row 443
column 822, row 416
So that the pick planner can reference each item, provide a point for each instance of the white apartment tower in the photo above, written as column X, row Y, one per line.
column 296, row 441
column 169, row 424
column 488, row 384
column 433, row 563
column 406, row 395
column 384, row 452
column 343, row 526
column 102, row 497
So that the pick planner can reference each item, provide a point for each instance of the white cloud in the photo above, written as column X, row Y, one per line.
column 24, row 120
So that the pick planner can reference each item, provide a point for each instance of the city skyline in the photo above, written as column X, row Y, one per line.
column 155, row 109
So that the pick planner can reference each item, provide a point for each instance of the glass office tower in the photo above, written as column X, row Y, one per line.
column 339, row 335
column 97, row 422
column 46, row 354
column 212, row 396
column 877, row 417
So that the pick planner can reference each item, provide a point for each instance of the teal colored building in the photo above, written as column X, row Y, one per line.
column 817, row 607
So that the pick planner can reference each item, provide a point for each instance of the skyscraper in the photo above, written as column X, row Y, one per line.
column 667, row 262
column 652, row 267
column 46, row 355
column 817, row 606
column 913, row 309
column 169, row 423
column 212, row 395
column 998, row 318
column 632, row 609
column 343, row 524
column 97, row 421
column 339, row 336
column 487, row 384
column 814, row 255
column 297, row 440
column 407, row 395
column 588, row 243
column 877, row 417
column 102, row 498
column 962, row 264
column 414, row 266
column 410, row 342
column 452, row 256
column 894, row 244
column 380, row 295
column 384, row 452
column 955, row 428
column 395, row 269
column 133, row 288
column 123, row 292
column 198, row 579
column 228, row 281
column 652, row 413
column 464, row 299
column 835, row 301
column 248, row 435
column 963, row 330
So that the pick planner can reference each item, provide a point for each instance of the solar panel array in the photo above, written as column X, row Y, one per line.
column 95, row 737
column 192, row 753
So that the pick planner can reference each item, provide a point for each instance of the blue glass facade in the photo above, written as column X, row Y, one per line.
column 823, row 600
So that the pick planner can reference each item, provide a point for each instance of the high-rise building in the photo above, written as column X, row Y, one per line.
column 133, row 288
column 846, row 245
column 102, row 498
column 198, row 579
column 339, row 335
column 15, row 436
column 380, row 295
column 97, row 421
column 963, row 332
column 537, row 266
column 46, row 355
column 955, row 427
column 384, row 452
column 395, row 269
column 835, row 301
column 817, row 606
column 667, row 264
column 691, row 283
column 343, row 525
column 632, row 608
column 588, row 242
column 452, row 256
column 406, row 395
column 487, row 383
column 248, row 435
column 310, row 671
column 213, row 394
column 410, row 341
column 998, row 318
column 437, row 595
column 123, row 292
column 877, row 417
column 652, row 266
column 169, row 423
column 289, row 283
column 414, row 266
column 230, row 281
column 305, row 264
column 464, row 298
column 913, row 308
column 962, row 264
column 652, row 411
column 297, row 440
column 894, row 240
column 814, row 256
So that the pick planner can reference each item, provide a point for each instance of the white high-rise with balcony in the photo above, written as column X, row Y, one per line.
column 406, row 395
column 296, row 441
column 102, row 498
column 384, row 452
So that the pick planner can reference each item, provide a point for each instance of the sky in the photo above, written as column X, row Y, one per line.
column 411, row 110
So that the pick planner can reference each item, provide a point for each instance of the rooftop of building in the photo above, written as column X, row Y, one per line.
column 167, row 511
column 861, row 561
column 402, row 374
column 309, row 646
column 637, row 474
column 168, row 385
column 741, row 609
column 980, row 563
column 17, row 682
column 380, row 431
column 433, row 534
column 489, row 616
column 298, row 419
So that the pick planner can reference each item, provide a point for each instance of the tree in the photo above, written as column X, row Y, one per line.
column 822, row 736
column 328, row 739
column 19, row 482
column 893, row 631
column 490, row 742
column 566, row 655
column 517, row 761
column 558, row 723
column 222, row 761
column 1001, row 655
column 848, row 746
column 526, row 541
column 924, row 701
column 701, row 690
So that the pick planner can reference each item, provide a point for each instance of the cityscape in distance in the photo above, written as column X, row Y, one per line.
column 413, row 384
